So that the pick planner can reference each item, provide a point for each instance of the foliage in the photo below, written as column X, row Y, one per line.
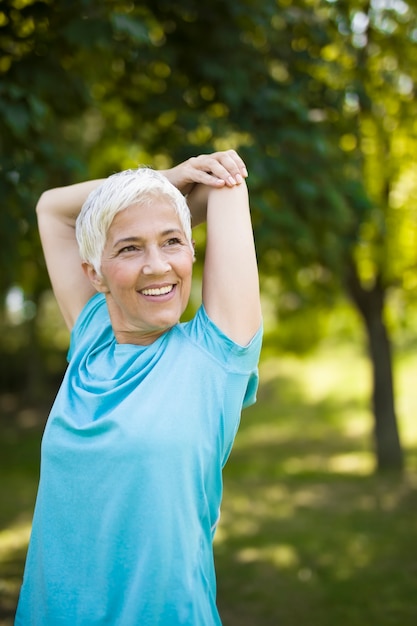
column 312, row 93
column 317, row 95
column 86, row 71
column 36, row 95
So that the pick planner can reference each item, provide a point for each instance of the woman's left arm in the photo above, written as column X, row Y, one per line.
column 230, row 280
column 196, row 175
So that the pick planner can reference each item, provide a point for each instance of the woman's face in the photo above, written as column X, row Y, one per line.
column 146, row 271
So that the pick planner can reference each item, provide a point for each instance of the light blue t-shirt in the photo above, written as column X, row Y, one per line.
column 131, row 477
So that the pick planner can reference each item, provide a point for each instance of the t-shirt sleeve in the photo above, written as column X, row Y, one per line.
column 235, row 358
column 239, row 367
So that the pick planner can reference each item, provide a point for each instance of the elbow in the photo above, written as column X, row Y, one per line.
column 42, row 203
column 45, row 202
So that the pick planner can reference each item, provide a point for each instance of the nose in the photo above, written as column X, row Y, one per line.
column 155, row 262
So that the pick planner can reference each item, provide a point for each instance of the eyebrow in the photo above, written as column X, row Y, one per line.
column 164, row 233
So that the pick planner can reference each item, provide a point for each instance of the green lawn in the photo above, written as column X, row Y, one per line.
column 308, row 535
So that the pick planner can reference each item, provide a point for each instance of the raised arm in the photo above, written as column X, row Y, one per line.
column 58, row 209
column 230, row 280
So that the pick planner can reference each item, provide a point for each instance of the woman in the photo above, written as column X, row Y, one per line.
column 145, row 418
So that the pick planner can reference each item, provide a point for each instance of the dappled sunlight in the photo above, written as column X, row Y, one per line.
column 355, row 463
column 14, row 538
column 241, row 527
column 406, row 394
column 282, row 555
column 298, row 536
column 316, row 411
column 341, row 371
column 358, row 424
column 13, row 545
column 357, row 553
column 306, row 463
column 307, row 528
column 258, row 434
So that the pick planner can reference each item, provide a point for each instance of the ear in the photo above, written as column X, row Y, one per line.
column 95, row 278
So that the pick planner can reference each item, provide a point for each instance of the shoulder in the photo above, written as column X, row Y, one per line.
column 209, row 338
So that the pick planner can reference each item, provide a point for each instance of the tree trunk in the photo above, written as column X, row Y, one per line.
column 370, row 303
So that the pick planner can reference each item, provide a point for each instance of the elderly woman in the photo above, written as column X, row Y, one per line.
column 144, row 421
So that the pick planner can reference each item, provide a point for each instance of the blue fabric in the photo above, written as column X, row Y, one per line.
column 131, row 477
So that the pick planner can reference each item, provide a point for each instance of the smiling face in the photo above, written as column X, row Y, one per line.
column 146, row 271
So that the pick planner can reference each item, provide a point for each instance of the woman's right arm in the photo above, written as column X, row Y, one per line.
column 57, row 211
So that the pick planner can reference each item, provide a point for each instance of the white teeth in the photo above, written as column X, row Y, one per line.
column 157, row 292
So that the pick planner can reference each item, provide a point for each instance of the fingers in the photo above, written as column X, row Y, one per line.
column 215, row 170
column 219, row 169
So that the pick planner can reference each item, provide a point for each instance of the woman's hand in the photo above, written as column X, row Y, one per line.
column 218, row 169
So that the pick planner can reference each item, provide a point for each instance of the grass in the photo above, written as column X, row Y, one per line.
column 309, row 536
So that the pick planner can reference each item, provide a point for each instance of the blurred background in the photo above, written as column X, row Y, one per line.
column 319, row 97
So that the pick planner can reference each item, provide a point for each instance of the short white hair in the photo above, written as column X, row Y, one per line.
column 116, row 193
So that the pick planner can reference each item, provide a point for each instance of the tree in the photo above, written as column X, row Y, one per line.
column 303, row 87
column 379, row 132
column 383, row 36
column 296, row 87
column 42, row 91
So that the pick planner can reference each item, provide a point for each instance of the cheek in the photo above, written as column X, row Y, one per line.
column 186, row 267
column 187, row 282
column 119, row 274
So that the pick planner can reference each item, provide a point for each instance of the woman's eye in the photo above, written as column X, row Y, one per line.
column 173, row 241
column 128, row 249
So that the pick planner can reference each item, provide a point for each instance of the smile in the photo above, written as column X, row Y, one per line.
column 161, row 291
